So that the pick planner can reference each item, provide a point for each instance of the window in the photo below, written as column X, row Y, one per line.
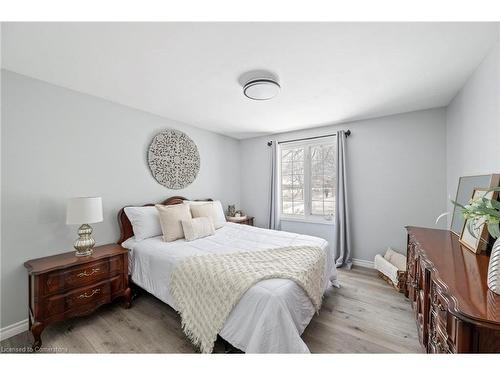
column 308, row 180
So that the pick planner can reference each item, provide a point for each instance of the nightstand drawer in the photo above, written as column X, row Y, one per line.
column 58, row 281
column 83, row 298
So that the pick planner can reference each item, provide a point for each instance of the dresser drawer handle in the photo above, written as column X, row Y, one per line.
column 85, row 274
column 85, row 295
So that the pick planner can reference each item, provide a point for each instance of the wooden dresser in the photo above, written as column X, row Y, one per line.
column 64, row 285
column 446, row 284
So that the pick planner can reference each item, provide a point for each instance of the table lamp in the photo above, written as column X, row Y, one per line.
column 84, row 210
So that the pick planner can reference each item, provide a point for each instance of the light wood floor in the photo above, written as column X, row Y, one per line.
column 364, row 316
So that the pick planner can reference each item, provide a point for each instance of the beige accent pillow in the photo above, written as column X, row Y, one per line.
column 170, row 220
column 221, row 216
column 206, row 210
column 197, row 228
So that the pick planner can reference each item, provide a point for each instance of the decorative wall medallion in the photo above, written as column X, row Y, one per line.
column 173, row 159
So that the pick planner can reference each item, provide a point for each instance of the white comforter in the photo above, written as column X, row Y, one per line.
column 270, row 316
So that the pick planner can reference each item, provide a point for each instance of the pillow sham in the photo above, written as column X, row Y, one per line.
column 198, row 227
column 219, row 218
column 145, row 221
column 170, row 220
column 130, row 243
column 206, row 210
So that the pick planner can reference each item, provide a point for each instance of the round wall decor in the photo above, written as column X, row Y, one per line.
column 173, row 159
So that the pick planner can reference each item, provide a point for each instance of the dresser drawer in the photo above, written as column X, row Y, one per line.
column 74, row 277
column 79, row 300
column 438, row 338
column 439, row 304
column 445, row 324
column 442, row 344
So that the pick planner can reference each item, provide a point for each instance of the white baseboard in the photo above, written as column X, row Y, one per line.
column 13, row 329
column 362, row 263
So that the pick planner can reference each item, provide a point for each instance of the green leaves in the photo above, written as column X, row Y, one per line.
column 494, row 230
column 482, row 210
column 495, row 204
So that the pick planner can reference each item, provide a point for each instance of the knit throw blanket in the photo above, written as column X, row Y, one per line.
column 205, row 288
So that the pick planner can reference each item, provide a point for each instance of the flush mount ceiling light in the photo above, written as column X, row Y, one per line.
column 261, row 89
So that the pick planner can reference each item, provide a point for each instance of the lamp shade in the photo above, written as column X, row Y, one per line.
column 84, row 210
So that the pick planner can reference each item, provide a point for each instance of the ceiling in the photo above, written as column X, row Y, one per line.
column 191, row 72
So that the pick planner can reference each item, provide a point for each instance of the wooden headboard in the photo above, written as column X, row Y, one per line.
column 126, row 230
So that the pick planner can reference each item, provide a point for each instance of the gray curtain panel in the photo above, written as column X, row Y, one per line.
column 274, row 212
column 342, row 229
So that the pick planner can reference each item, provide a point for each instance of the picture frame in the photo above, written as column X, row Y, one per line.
column 465, row 189
column 477, row 242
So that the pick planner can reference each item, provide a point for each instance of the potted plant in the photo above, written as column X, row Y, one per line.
column 486, row 211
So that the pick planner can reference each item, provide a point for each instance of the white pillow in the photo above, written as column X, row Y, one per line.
column 220, row 216
column 145, row 221
column 197, row 228
column 206, row 210
column 170, row 220
column 129, row 243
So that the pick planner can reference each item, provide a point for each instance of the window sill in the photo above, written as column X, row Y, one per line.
column 308, row 220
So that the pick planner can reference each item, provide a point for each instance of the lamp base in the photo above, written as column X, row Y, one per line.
column 83, row 253
column 85, row 242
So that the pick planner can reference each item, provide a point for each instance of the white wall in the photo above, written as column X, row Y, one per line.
column 473, row 124
column 57, row 144
column 396, row 178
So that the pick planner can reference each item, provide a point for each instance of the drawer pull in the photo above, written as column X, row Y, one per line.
column 85, row 295
column 85, row 274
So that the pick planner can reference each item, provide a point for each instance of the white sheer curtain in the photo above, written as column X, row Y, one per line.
column 274, row 194
column 342, row 228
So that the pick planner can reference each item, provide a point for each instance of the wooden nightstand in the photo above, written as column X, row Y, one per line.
column 247, row 221
column 64, row 285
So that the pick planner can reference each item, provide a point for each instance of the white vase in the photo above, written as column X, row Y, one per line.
column 494, row 268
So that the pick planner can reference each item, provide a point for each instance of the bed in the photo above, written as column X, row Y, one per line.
column 271, row 315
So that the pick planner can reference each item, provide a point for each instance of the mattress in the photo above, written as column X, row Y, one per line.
column 271, row 315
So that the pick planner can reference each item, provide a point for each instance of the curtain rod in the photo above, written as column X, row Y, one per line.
column 347, row 134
